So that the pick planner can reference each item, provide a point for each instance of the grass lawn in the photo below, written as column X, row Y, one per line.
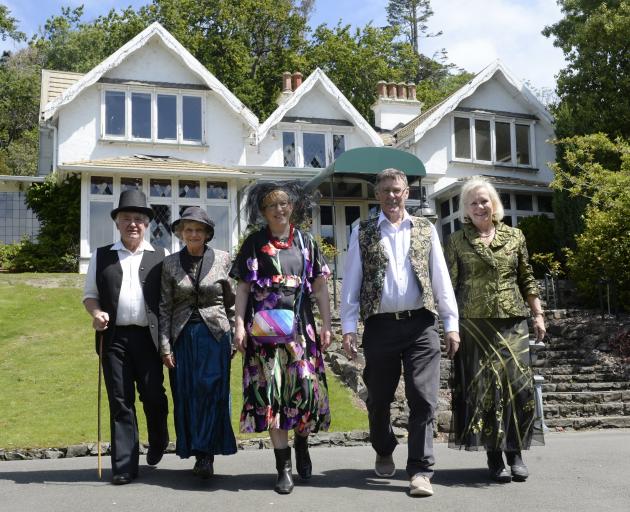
column 49, row 369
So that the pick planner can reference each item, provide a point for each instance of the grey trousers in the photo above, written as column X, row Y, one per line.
column 413, row 344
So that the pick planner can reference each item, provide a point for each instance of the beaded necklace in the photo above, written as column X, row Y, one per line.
column 279, row 244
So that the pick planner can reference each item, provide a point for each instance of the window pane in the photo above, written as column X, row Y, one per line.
column 160, row 227
column 115, row 113
column 160, row 188
column 456, row 203
column 141, row 115
column 339, row 145
column 288, row 147
column 353, row 216
column 445, row 209
column 314, row 150
column 130, row 183
column 416, row 191
column 167, row 116
column 101, row 185
column 522, row 144
column 524, row 202
column 545, row 204
column 220, row 216
column 457, row 224
column 191, row 112
column 101, row 226
column 482, row 140
column 462, row 137
column 189, row 188
column 503, row 144
column 505, row 200
column 507, row 220
column 217, row 190
column 446, row 231
column 373, row 210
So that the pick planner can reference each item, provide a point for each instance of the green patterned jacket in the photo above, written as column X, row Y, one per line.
column 374, row 261
column 490, row 281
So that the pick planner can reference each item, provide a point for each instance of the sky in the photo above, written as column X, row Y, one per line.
column 474, row 32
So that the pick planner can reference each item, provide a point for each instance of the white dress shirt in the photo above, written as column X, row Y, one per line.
column 401, row 291
column 131, row 309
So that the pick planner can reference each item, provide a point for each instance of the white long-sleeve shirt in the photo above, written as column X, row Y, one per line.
column 131, row 309
column 401, row 291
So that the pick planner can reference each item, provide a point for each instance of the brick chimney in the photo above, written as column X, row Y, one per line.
column 396, row 104
column 297, row 79
column 287, row 91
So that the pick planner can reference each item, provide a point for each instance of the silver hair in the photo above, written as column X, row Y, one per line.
column 390, row 174
column 469, row 187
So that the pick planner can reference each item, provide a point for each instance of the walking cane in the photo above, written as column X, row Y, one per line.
column 100, row 377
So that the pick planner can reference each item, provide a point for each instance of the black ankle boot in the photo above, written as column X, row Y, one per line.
column 498, row 473
column 518, row 467
column 302, row 458
column 284, row 484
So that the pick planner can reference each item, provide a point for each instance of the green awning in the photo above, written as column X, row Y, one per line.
column 366, row 163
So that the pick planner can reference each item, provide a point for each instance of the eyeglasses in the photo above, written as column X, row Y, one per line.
column 280, row 204
column 135, row 219
column 396, row 191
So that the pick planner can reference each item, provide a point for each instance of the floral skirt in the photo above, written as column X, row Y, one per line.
column 284, row 387
column 493, row 398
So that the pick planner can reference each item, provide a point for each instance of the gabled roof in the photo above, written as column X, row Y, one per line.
column 418, row 126
column 319, row 77
column 116, row 58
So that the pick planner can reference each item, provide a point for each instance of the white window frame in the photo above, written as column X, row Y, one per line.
column 299, row 132
column 513, row 121
column 154, row 91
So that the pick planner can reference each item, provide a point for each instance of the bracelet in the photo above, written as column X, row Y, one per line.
column 539, row 313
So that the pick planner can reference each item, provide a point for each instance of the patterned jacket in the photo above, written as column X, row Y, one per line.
column 215, row 298
column 490, row 281
column 374, row 262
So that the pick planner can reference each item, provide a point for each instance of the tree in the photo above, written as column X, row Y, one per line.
column 8, row 26
column 599, row 172
column 19, row 104
column 594, row 88
column 411, row 17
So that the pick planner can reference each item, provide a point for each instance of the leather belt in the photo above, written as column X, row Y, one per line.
column 400, row 315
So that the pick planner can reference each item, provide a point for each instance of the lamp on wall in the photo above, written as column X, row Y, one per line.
column 425, row 209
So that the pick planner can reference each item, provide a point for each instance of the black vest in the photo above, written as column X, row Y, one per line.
column 109, row 280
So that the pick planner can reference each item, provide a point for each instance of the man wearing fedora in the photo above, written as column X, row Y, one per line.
column 122, row 294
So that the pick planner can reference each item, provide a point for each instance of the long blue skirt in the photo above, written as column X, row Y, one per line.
column 200, row 383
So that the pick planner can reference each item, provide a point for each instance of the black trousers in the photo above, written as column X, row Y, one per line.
column 131, row 360
column 413, row 344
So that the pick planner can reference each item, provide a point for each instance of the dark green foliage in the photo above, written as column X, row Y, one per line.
column 57, row 206
column 8, row 26
column 538, row 231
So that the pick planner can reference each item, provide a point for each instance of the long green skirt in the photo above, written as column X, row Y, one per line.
column 493, row 398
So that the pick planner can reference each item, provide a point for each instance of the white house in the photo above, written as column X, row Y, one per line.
column 151, row 116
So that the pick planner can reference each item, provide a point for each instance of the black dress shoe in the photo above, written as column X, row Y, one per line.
column 517, row 466
column 204, row 467
column 154, row 455
column 121, row 479
column 498, row 473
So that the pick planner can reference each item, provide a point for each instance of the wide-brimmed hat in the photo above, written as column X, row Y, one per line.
column 133, row 200
column 197, row 214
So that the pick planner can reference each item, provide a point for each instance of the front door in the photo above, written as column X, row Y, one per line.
column 348, row 216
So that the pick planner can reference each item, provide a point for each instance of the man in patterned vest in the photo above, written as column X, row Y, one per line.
column 122, row 294
column 396, row 281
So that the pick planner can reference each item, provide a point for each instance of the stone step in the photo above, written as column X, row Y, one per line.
column 572, row 369
column 586, row 397
column 585, row 410
column 577, row 422
column 583, row 378
column 576, row 387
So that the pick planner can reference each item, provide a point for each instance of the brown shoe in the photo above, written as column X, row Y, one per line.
column 384, row 466
column 420, row 485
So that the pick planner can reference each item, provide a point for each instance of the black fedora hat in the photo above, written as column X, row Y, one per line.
column 197, row 214
column 133, row 200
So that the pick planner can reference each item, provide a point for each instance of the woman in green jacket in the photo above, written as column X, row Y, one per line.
column 493, row 390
